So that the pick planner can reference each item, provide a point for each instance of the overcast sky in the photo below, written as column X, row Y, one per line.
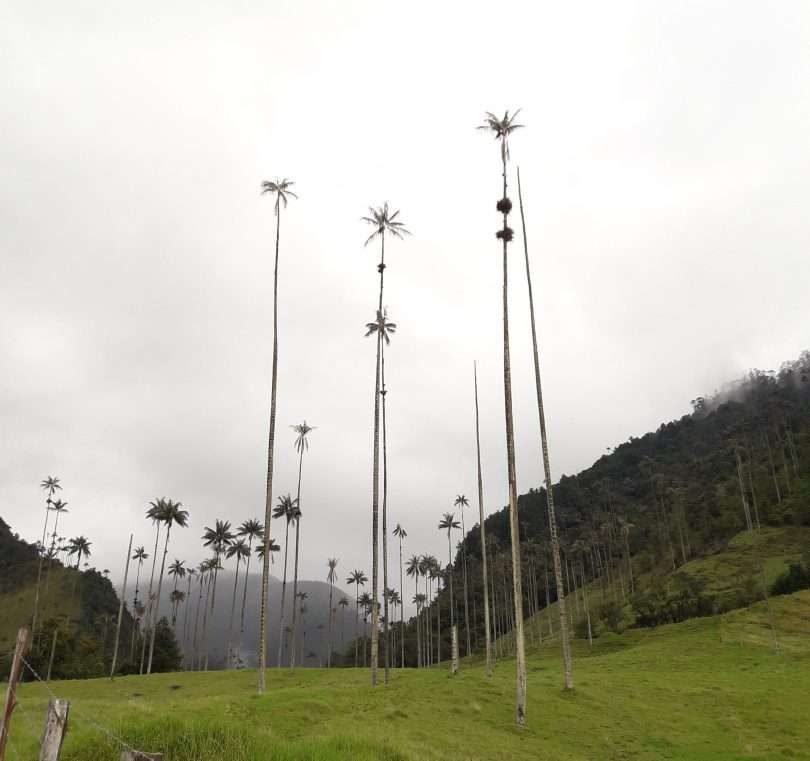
column 666, row 174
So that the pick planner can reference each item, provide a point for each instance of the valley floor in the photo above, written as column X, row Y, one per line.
column 710, row 688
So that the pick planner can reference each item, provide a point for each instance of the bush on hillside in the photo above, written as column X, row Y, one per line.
column 796, row 578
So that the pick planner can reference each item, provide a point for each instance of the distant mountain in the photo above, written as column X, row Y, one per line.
column 312, row 634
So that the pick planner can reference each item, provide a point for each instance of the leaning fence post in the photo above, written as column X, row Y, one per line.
column 11, row 692
column 56, row 724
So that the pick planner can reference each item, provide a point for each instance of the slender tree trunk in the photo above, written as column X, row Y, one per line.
column 295, row 564
column 401, row 608
column 751, row 486
column 202, row 663
column 464, row 569
column 229, row 656
column 39, row 564
column 773, row 468
column 356, row 621
column 746, row 511
column 329, row 654
column 121, row 609
column 268, row 496
column 386, row 629
column 520, row 687
column 150, row 601
column 488, row 638
column 283, row 597
column 195, row 643
column 157, row 602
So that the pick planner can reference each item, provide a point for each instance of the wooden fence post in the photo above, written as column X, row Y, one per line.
column 56, row 724
column 11, row 692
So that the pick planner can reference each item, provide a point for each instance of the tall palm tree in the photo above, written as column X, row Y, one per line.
column 154, row 514
column 218, row 539
column 203, row 571
column 366, row 603
column 287, row 508
column 359, row 579
column 251, row 530
column 331, row 576
column 448, row 523
column 413, row 569
column 488, row 638
column 462, row 502
column 139, row 555
column 177, row 570
column 383, row 221
column 343, row 602
column 282, row 190
column 50, row 485
column 302, row 430
column 302, row 596
column 383, row 329
column 401, row 534
column 502, row 128
column 191, row 573
column 239, row 549
column 58, row 507
column 172, row 514
column 552, row 517
column 175, row 598
column 80, row 547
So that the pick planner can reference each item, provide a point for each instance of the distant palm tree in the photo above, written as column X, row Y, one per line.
column 139, row 555
column 191, row 573
column 203, row 571
column 501, row 129
column 178, row 571
column 238, row 548
column 51, row 485
column 176, row 597
column 302, row 430
column 401, row 534
column 251, row 530
column 172, row 514
column 301, row 596
column 331, row 576
column 448, row 523
column 58, row 507
column 383, row 221
column 282, row 190
column 462, row 502
column 80, row 547
column 413, row 569
column 359, row 579
column 218, row 539
column 366, row 603
column 343, row 602
column 287, row 508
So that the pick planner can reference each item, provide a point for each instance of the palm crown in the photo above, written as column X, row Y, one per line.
column 239, row 548
column 252, row 529
column 259, row 549
column 301, row 441
column 140, row 554
column 218, row 537
column 449, row 522
column 331, row 564
column 413, row 565
column 357, row 577
column 461, row 501
column 400, row 532
column 172, row 513
column 80, row 546
column 384, row 221
column 501, row 128
column 177, row 568
column 381, row 326
column 282, row 191
column 50, row 484
column 287, row 508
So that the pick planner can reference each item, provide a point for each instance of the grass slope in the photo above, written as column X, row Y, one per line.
column 710, row 688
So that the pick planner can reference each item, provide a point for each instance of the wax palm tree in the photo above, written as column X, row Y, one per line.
column 191, row 573
column 462, row 502
column 401, row 534
column 287, row 508
column 203, row 572
column 552, row 517
column 251, row 530
column 58, row 507
column 413, row 570
column 154, row 514
column 366, row 603
column 172, row 514
column 384, row 221
column 501, row 129
column 175, row 598
column 331, row 577
column 240, row 550
column 282, row 190
column 259, row 550
column 301, row 444
column 488, row 638
column 343, row 602
column 80, row 547
column 139, row 555
column 448, row 523
column 218, row 539
column 51, row 485
column 359, row 579
column 302, row 609
column 177, row 569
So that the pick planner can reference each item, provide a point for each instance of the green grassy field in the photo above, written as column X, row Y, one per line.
column 711, row 688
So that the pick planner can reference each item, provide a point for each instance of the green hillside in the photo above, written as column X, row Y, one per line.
column 710, row 688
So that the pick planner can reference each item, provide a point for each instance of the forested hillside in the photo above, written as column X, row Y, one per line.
column 629, row 524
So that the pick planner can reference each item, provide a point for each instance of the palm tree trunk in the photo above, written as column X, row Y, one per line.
column 438, row 624
column 356, row 621
column 244, row 600
column 268, row 495
column 329, row 654
column 202, row 661
column 39, row 564
column 149, row 601
column 295, row 563
column 464, row 569
column 552, row 518
column 520, row 686
column 228, row 653
column 283, row 596
column 157, row 602
column 195, row 644
column 773, row 468
column 120, row 609
column 185, row 610
column 385, row 521
column 401, row 608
